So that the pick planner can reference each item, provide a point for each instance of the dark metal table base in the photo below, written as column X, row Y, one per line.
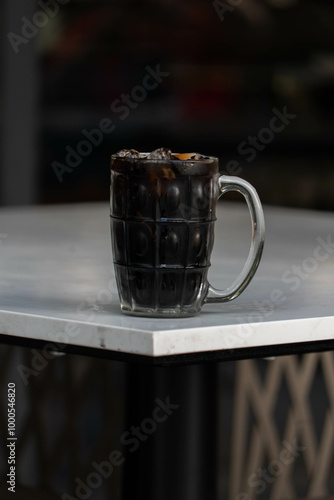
column 173, row 413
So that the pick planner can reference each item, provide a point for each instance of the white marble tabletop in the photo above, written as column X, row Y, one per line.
column 57, row 283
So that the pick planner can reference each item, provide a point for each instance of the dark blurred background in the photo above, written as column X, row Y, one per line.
column 229, row 63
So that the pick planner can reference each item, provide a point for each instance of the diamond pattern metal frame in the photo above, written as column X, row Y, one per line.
column 261, row 445
column 66, row 419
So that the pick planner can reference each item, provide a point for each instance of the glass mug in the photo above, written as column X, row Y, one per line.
column 162, row 231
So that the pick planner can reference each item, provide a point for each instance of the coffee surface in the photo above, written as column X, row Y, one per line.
column 160, row 154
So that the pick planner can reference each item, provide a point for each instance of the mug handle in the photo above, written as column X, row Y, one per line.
column 226, row 184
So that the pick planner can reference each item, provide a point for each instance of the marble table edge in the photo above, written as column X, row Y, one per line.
column 243, row 336
column 63, row 331
column 157, row 343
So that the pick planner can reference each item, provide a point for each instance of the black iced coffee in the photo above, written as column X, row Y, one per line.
column 162, row 228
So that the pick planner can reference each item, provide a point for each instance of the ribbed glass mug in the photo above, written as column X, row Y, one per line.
column 162, row 230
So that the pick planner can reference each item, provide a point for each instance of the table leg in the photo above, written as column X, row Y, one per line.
column 175, row 457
